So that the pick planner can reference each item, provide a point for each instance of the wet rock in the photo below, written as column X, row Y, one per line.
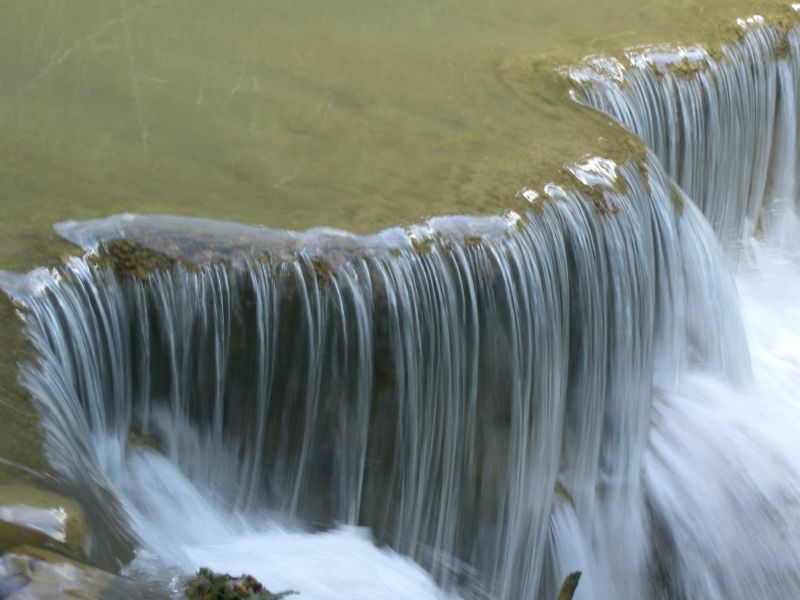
column 29, row 573
column 207, row 585
column 36, row 516
column 12, row 536
column 130, row 260
column 569, row 586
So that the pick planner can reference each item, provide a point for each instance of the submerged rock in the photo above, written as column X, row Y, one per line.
column 207, row 585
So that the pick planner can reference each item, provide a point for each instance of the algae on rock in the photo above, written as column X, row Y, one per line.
column 207, row 585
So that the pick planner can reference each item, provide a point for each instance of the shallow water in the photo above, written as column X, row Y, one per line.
column 354, row 114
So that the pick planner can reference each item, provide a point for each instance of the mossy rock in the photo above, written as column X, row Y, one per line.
column 13, row 536
column 130, row 260
column 207, row 585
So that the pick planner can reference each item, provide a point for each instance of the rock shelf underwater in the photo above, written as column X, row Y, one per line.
column 484, row 393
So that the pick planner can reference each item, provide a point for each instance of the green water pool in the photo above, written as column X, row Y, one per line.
column 354, row 114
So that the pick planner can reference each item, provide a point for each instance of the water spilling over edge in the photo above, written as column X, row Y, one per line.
column 498, row 390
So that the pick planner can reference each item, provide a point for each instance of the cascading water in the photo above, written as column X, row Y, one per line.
column 724, row 127
column 503, row 399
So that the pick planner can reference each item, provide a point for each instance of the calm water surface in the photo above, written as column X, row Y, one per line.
column 356, row 114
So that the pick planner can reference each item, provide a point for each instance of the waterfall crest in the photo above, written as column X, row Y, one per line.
column 504, row 399
column 723, row 123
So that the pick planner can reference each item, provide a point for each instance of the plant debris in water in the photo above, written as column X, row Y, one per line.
column 207, row 585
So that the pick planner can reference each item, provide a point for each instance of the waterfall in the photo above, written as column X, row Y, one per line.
column 575, row 385
column 724, row 124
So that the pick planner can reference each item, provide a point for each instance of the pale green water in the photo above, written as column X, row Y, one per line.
column 357, row 114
